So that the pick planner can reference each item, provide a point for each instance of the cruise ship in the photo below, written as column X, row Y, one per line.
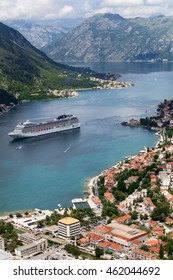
column 37, row 128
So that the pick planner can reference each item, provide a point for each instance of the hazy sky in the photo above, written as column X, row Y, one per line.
column 54, row 9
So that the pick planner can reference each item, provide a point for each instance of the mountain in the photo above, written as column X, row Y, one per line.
column 42, row 33
column 110, row 37
column 27, row 73
column 39, row 35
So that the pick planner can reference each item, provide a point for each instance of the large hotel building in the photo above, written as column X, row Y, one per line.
column 68, row 227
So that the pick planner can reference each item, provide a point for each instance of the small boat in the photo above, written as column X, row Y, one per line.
column 19, row 147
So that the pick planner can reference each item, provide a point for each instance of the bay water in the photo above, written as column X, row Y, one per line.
column 49, row 170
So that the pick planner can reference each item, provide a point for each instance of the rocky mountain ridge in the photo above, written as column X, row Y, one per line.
column 43, row 33
column 110, row 37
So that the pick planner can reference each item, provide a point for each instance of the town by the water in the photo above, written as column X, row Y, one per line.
column 127, row 212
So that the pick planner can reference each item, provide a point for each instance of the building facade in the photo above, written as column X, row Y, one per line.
column 68, row 227
column 32, row 248
column 28, row 238
column 2, row 245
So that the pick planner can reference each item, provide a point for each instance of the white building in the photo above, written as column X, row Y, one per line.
column 165, row 178
column 31, row 249
column 68, row 227
column 52, row 230
column 28, row 238
column 2, row 245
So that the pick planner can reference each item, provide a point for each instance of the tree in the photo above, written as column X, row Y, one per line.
column 40, row 223
column 99, row 252
column 161, row 253
column 119, row 195
column 144, row 247
column 145, row 216
column 72, row 249
column 161, row 211
column 134, row 215
column 18, row 215
column 121, row 186
column 47, row 220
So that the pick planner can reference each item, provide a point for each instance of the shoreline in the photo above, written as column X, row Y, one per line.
column 13, row 212
column 89, row 182
column 69, row 93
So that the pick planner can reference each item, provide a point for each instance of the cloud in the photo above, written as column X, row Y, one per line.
column 54, row 9
column 155, row 2
column 30, row 9
column 120, row 3
column 141, row 12
column 135, row 8
column 66, row 10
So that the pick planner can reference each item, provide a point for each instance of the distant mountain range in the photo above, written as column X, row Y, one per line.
column 110, row 37
column 43, row 33
column 27, row 73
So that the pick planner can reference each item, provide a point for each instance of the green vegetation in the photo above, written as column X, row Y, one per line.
column 161, row 252
column 169, row 245
column 72, row 249
column 162, row 209
column 110, row 210
column 148, row 122
column 144, row 247
column 10, row 236
column 169, row 132
column 28, row 73
column 99, row 252
column 50, row 220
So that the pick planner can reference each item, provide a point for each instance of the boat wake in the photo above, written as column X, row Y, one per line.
column 67, row 149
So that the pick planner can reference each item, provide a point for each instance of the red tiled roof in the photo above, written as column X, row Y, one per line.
column 109, row 196
column 153, row 223
column 136, row 241
column 122, row 218
column 104, row 244
column 155, row 249
column 101, row 229
column 95, row 237
column 160, row 234
column 84, row 240
column 96, row 200
column 142, row 252
column 115, row 245
column 169, row 220
column 158, row 229
column 153, row 242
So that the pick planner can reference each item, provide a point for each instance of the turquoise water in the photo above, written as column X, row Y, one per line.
column 41, row 174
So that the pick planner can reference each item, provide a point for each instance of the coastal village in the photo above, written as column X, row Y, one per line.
column 127, row 212
column 106, row 83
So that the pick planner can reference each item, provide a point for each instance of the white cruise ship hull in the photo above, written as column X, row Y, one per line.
column 18, row 134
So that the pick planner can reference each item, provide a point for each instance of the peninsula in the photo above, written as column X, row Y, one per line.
column 163, row 119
